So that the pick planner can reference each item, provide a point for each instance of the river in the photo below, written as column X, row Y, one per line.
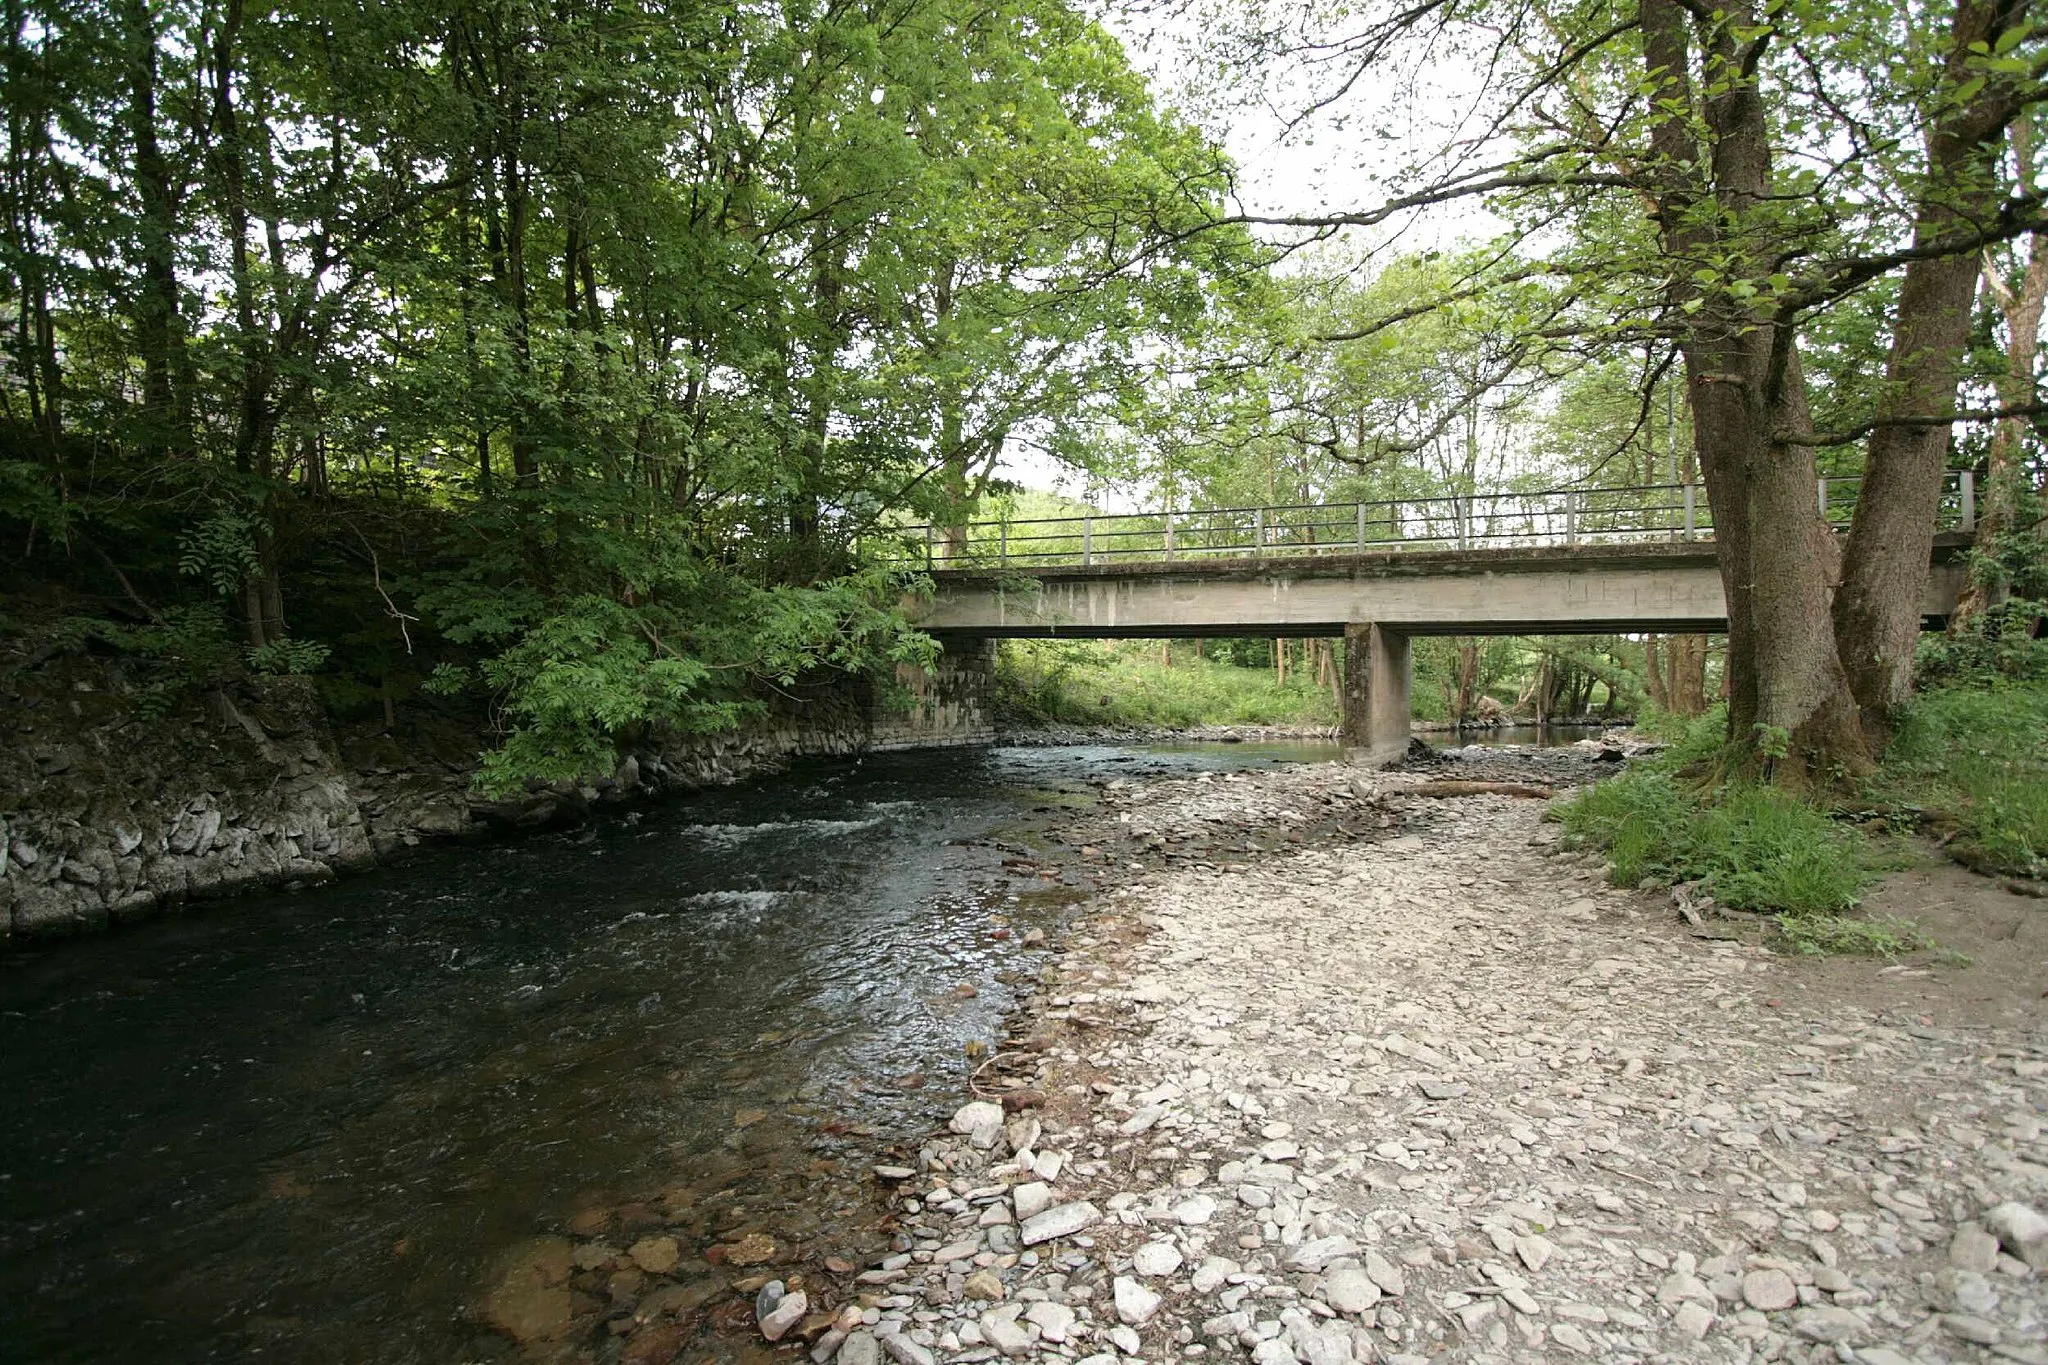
column 299, row 1127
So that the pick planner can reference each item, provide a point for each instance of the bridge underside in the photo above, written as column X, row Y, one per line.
column 1375, row 601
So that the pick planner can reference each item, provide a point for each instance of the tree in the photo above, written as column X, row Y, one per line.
column 587, row 352
column 1719, row 176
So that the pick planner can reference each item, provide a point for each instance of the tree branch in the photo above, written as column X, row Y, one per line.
column 1858, row 432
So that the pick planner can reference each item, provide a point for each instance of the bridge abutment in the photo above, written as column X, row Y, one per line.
column 1378, row 671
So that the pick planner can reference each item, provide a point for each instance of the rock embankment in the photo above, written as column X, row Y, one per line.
column 116, row 802
column 1446, row 1096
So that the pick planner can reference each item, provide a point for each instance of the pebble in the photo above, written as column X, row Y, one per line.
column 1135, row 1304
column 1693, row 1318
column 1005, row 1335
column 1314, row 1255
column 1155, row 1259
column 1348, row 1289
column 902, row 1348
column 1829, row 1325
column 1031, row 1198
column 1379, row 1101
column 655, row 1255
column 1062, row 1220
column 2021, row 1231
column 1054, row 1320
column 969, row 1119
column 786, row 1314
column 1767, row 1291
column 1534, row 1252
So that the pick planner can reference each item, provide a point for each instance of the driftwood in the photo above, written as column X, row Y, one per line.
column 1528, row 789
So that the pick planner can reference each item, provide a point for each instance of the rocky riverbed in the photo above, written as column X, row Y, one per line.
column 1431, row 1091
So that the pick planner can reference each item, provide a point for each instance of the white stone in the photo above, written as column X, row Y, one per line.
column 1693, row 1318
column 1142, row 1121
column 1348, row 1289
column 2022, row 1231
column 1055, row 1320
column 906, row 1351
column 1005, row 1335
column 1314, row 1255
column 1769, row 1290
column 1135, row 1304
column 1031, row 1198
column 969, row 1118
column 1062, row 1220
column 1155, row 1259
column 787, row 1313
column 1829, row 1325
column 1386, row 1275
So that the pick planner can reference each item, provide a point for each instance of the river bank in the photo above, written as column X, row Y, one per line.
column 1361, row 1076
column 326, row 1124
column 1032, row 733
column 117, row 805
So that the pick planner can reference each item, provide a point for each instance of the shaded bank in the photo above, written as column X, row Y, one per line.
column 112, row 812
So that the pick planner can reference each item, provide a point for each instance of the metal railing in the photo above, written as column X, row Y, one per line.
column 1654, row 513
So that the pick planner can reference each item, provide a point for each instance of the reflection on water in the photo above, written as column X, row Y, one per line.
column 293, row 1127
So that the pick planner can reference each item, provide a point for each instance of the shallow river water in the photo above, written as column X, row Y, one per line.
column 299, row 1127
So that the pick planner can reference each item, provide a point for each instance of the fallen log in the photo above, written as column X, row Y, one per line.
column 1440, row 789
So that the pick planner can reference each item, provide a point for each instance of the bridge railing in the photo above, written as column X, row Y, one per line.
column 1656, row 513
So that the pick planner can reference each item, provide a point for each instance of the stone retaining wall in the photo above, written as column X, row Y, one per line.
column 108, row 813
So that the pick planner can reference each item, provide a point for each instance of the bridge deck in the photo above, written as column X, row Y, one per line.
column 1669, row 587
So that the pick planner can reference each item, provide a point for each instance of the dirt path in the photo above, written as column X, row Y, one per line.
column 1445, row 1096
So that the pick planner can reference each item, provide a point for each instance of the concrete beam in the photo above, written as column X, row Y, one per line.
column 1379, row 672
column 1539, row 590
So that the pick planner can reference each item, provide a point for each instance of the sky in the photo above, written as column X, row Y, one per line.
column 1341, row 158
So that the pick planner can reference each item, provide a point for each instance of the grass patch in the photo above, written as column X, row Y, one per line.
column 1077, row 682
column 1978, row 755
column 1750, row 847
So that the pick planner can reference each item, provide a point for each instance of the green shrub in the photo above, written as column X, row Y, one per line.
column 1978, row 753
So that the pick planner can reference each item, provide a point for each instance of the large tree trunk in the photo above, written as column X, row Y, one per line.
column 1686, row 667
column 1790, row 712
column 1653, row 676
column 1877, row 611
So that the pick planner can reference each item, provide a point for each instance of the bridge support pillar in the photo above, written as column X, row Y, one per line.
column 1378, row 668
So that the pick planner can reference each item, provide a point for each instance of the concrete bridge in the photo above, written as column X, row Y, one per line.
column 1485, row 571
